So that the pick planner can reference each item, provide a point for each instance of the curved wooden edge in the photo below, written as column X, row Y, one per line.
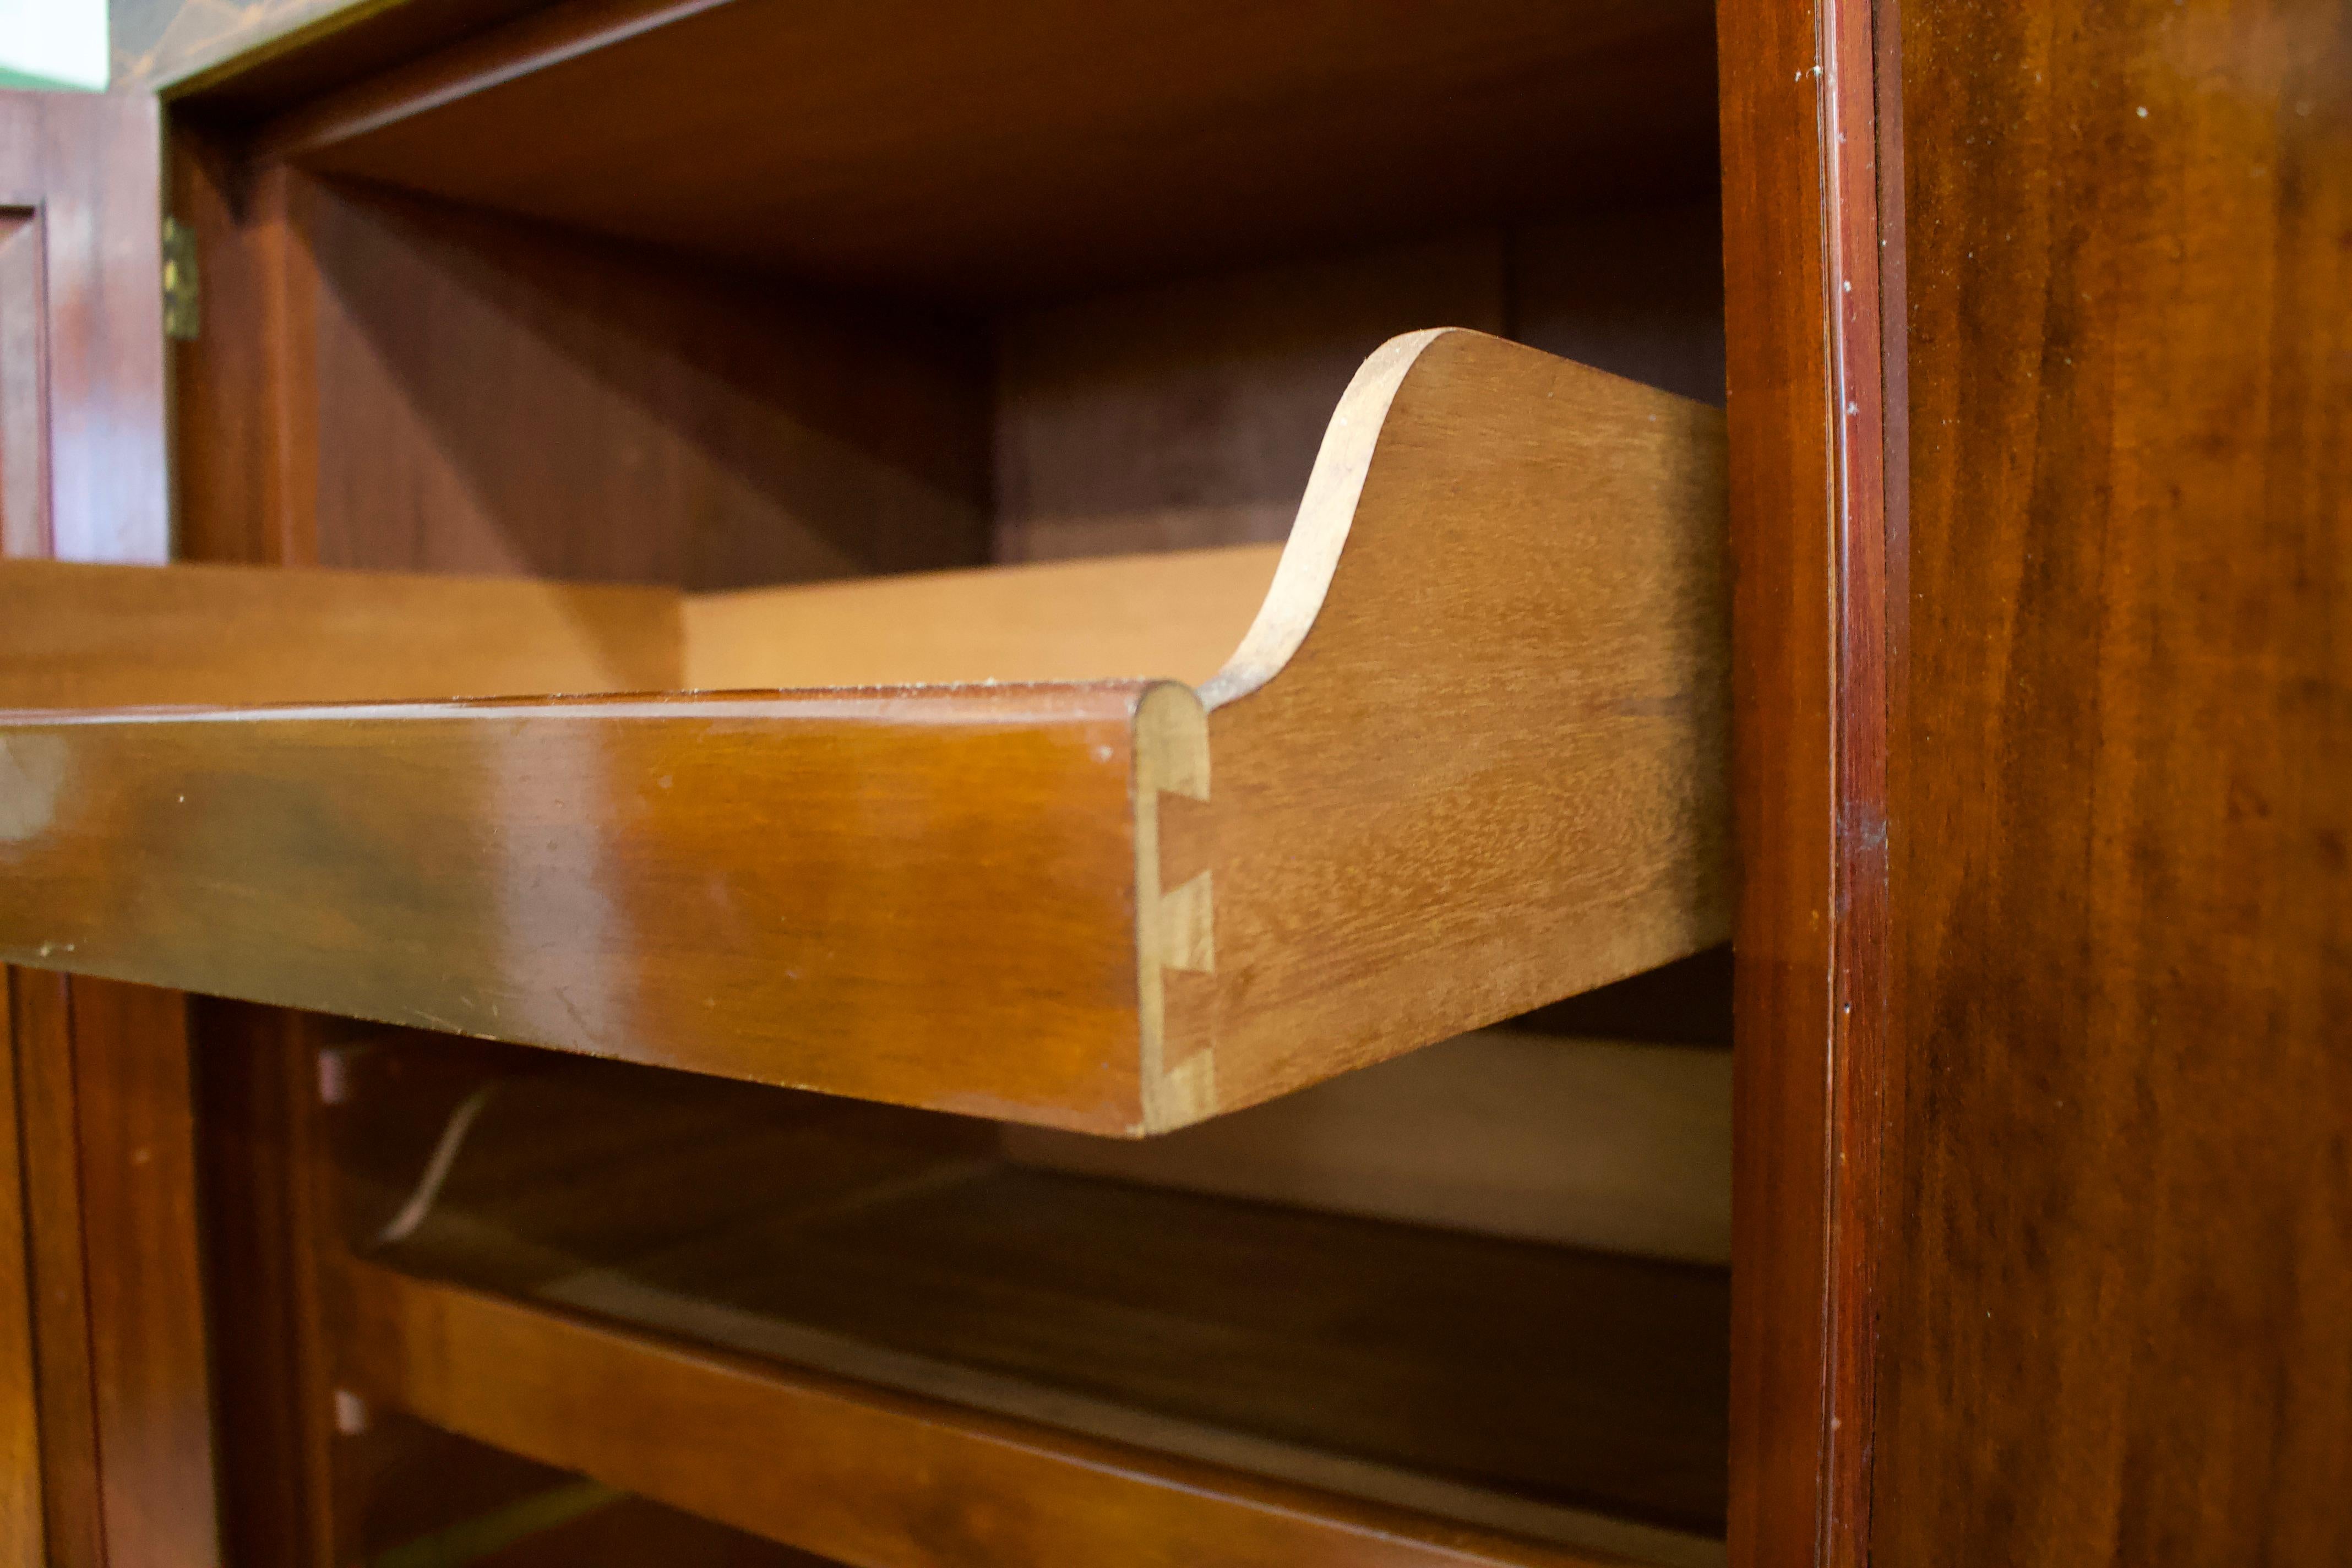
column 1472, row 755
column 1327, row 512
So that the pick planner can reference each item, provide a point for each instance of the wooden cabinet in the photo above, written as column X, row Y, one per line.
column 954, row 787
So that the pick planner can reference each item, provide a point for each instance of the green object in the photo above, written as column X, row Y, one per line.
column 472, row 1540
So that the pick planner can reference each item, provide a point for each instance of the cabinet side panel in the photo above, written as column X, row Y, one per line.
column 2116, row 1323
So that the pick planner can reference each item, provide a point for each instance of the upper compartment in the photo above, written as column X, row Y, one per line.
column 827, row 291
column 993, row 154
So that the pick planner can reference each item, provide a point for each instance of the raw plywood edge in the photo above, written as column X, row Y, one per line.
column 1174, row 927
column 1326, row 512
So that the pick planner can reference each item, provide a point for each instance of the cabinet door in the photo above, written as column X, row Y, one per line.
column 105, row 1406
column 83, row 473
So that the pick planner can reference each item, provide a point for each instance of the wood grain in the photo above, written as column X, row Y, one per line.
column 495, row 396
column 1177, row 615
column 1503, row 560
column 72, row 1513
column 831, row 891
column 1059, row 148
column 2118, row 1287
column 1383, row 877
column 88, row 637
column 1289, row 1346
column 1813, row 615
column 1618, row 1147
column 842, row 1469
column 263, row 1177
column 84, row 171
column 150, row 1373
column 900, row 1248
column 20, row 1435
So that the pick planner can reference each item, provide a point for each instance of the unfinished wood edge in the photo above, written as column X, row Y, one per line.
column 1174, row 927
column 1326, row 512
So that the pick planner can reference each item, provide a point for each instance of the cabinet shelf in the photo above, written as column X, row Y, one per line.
column 1466, row 758
column 820, row 1270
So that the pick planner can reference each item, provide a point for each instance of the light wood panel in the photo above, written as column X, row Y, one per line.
column 1401, row 834
column 1594, row 1144
column 86, row 636
column 845, row 1470
column 1178, row 616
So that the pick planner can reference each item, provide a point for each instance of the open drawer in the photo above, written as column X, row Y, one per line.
column 1024, row 844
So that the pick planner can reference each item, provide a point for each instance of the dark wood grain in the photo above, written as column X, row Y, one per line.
column 148, row 1363
column 1802, row 254
column 262, row 1177
column 495, row 396
column 844, row 1470
column 1050, row 148
column 41, row 1012
column 2121, row 1261
column 20, row 1435
column 901, row 1248
column 446, row 391
column 83, row 171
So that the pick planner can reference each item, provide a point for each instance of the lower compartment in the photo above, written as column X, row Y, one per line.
column 872, row 1334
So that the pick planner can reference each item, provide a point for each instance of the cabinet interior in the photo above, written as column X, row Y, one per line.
column 837, row 292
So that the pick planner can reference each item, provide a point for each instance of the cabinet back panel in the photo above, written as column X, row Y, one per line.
column 1188, row 415
column 495, row 399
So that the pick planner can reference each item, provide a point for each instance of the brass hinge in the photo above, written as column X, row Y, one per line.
column 181, row 304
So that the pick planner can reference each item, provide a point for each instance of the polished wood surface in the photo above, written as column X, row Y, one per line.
column 833, row 890
column 2120, row 1200
column 1480, row 711
column 42, row 1026
column 80, row 328
column 1808, row 541
column 262, row 1172
column 150, row 1373
column 1054, row 148
column 844, row 1470
column 904, row 1250
column 20, row 1434
column 86, row 636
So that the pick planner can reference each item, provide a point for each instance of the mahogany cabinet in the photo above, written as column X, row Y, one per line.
column 909, row 786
